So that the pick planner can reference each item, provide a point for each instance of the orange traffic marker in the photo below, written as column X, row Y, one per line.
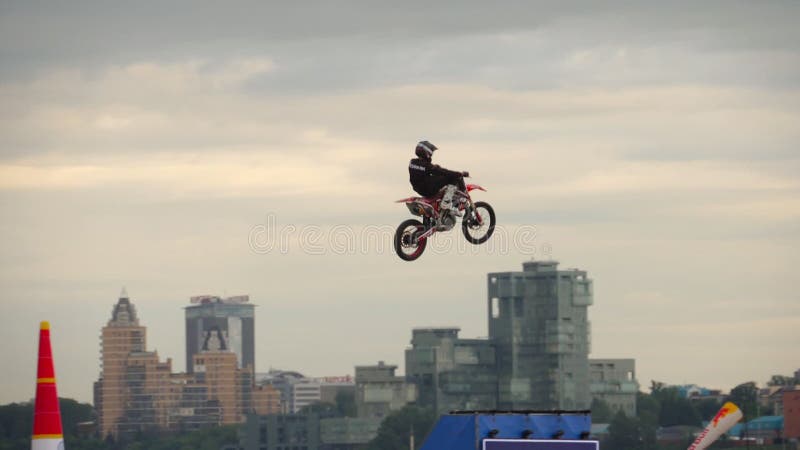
column 47, row 431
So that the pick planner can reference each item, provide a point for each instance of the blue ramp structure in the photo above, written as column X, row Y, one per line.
column 507, row 430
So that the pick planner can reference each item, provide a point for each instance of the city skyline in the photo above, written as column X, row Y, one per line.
column 136, row 391
column 400, row 362
column 159, row 147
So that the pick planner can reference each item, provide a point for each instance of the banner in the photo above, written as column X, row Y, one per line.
column 726, row 418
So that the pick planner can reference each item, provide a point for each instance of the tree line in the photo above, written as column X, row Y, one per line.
column 16, row 425
column 664, row 406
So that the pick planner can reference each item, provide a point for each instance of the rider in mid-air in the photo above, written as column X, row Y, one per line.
column 429, row 179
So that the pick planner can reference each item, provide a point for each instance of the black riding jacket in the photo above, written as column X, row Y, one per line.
column 428, row 178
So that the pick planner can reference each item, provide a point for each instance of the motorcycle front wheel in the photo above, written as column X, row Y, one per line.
column 478, row 225
column 406, row 244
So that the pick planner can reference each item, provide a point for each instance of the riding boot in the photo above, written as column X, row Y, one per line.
column 447, row 210
column 447, row 199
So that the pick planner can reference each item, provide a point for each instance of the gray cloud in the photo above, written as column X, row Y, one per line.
column 350, row 39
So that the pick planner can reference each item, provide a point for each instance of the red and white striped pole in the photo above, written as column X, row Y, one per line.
column 47, row 431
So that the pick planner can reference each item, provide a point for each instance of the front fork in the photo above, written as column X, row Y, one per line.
column 470, row 215
column 430, row 227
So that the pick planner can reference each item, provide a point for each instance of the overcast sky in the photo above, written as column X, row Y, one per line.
column 145, row 145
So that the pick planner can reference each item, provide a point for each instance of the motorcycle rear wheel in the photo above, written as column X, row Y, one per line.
column 406, row 245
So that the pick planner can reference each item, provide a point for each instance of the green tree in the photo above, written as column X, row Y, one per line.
column 73, row 413
column 745, row 396
column 16, row 421
column 601, row 412
column 396, row 428
column 707, row 407
column 674, row 409
column 656, row 386
column 16, row 425
column 625, row 433
column 782, row 380
column 205, row 439
column 86, row 443
column 647, row 409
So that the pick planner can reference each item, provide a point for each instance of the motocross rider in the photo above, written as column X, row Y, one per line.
column 429, row 179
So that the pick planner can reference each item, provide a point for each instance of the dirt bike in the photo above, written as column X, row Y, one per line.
column 477, row 224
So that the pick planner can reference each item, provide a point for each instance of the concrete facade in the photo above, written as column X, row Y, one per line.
column 306, row 432
column 281, row 432
column 614, row 382
column 538, row 323
column 452, row 373
column 347, row 432
column 379, row 391
column 536, row 355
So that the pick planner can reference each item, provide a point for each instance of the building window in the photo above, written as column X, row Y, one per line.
column 519, row 307
column 495, row 307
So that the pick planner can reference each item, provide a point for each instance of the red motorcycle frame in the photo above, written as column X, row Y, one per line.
column 477, row 224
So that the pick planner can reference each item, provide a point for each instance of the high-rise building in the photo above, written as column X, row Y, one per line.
column 121, row 336
column 136, row 392
column 452, row 373
column 215, row 323
column 538, row 324
column 536, row 355
column 134, row 388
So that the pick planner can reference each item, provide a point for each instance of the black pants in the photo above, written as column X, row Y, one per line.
column 436, row 183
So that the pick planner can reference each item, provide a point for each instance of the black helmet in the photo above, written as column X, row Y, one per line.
column 425, row 149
